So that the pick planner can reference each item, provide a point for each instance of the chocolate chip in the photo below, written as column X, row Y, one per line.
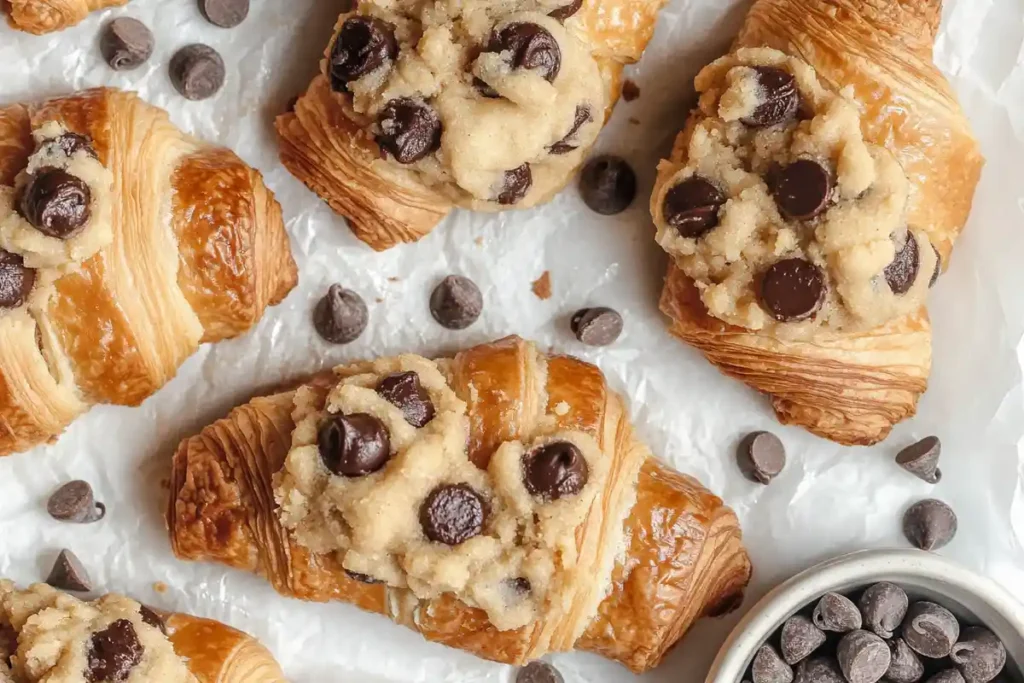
column 802, row 190
column 779, row 98
column 835, row 612
column 555, row 470
column 947, row 676
column 456, row 302
column 630, row 90
column 792, row 290
column 74, row 502
column 692, row 206
column 883, row 607
column 761, row 457
column 532, row 47
column 69, row 574
column 152, row 618
column 566, row 144
column 819, row 670
column 340, row 316
column 768, row 667
column 599, row 326
column 71, row 144
column 863, row 657
column 410, row 129
column 566, row 11
column 364, row 44
column 353, row 445
column 16, row 281
column 404, row 390
column 197, row 72
column 938, row 266
column 902, row 272
column 929, row 525
column 362, row 578
column 113, row 653
column 452, row 514
column 922, row 459
column 979, row 655
column 515, row 184
column 905, row 666
column 224, row 13
column 126, row 43
column 539, row 672
column 607, row 185
column 930, row 630
column 800, row 637
column 56, row 203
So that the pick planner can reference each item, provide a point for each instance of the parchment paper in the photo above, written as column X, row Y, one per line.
column 829, row 500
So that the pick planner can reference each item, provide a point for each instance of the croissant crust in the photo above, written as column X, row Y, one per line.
column 45, row 16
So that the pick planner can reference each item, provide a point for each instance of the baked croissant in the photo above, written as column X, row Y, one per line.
column 47, row 635
column 45, row 16
column 518, row 453
column 810, row 203
column 421, row 108
column 124, row 244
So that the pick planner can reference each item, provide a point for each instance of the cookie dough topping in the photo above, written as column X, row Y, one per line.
column 784, row 217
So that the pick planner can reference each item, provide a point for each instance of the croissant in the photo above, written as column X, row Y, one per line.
column 643, row 551
column 45, row 16
column 49, row 635
column 841, row 170
column 428, row 117
column 124, row 244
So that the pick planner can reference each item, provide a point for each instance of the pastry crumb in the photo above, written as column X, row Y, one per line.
column 160, row 587
column 562, row 409
column 479, row 241
column 634, row 120
column 393, row 278
column 542, row 286
column 630, row 90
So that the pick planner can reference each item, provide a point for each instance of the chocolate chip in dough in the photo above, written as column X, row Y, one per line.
column 514, row 185
column 608, row 185
column 978, row 654
column 74, row 502
column 532, row 47
column 792, row 289
column 410, row 129
column 599, row 326
column 405, row 390
column 113, row 653
column 364, row 44
column 947, row 676
column 837, row 613
column 692, row 206
column 780, row 98
column 819, row 670
column 126, row 43
column 566, row 11
column 71, row 144
column 456, row 302
column 768, row 667
column 802, row 190
column 930, row 630
column 539, row 672
column 883, row 607
column 152, row 618
column 197, row 72
column 863, row 657
column 566, row 144
column 353, row 445
column 362, row 578
column 905, row 666
column 16, row 281
column 224, row 13
column 453, row 514
column 761, row 457
column 69, row 574
column 922, row 459
column 520, row 585
column 938, row 267
column 929, row 525
column 340, row 316
column 799, row 639
column 902, row 272
column 555, row 471
column 56, row 203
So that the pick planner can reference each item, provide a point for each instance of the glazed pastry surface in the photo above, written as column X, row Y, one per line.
column 45, row 16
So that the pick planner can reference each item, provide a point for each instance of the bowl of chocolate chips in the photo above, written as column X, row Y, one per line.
column 886, row 616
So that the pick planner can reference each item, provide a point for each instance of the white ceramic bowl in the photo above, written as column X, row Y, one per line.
column 970, row 597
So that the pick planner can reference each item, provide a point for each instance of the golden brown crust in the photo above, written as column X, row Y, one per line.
column 217, row 653
column 45, row 16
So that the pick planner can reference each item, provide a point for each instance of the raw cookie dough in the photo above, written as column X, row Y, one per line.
column 375, row 522
column 492, row 104
column 786, row 219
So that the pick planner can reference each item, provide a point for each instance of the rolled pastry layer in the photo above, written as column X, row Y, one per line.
column 45, row 16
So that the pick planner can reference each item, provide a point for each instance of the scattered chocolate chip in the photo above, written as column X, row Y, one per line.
column 532, row 47
column 863, row 657
column 16, row 281
column 353, row 445
column 126, row 43
column 566, row 11
column 979, row 655
column 837, row 613
column 515, row 184
column 71, row 144
column 362, row 578
column 599, row 326
column 692, row 206
column 761, row 457
column 113, row 653
column 567, row 143
column 405, row 390
column 902, row 272
column 69, row 574
column 799, row 639
column 410, row 129
column 56, row 203
column 539, row 672
column 883, row 607
column 768, row 667
column 630, row 90
column 555, row 470
column 947, row 676
column 608, row 185
column 197, row 72
column 929, row 525
column 905, row 666
column 340, row 316
column 74, row 502
column 364, row 44
column 792, row 289
column 453, row 514
column 224, row 13
column 930, row 630
column 802, row 190
column 938, row 267
column 456, row 302
column 922, row 459
column 819, row 670
column 780, row 98
column 152, row 618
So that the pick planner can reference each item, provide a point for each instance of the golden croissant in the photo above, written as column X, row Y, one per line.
column 44, row 16
column 124, row 245
column 812, row 199
column 573, row 537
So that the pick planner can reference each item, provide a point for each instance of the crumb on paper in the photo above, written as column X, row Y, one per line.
column 542, row 286
column 394, row 278
column 634, row 120
column 562, row 409
column 380, row 299
column 630, row 90
column 479, row 241
column 160, row 587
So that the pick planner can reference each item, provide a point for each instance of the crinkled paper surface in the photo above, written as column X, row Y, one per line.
column 829, row 500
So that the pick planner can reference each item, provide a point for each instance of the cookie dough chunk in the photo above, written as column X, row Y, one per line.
column 786, row 219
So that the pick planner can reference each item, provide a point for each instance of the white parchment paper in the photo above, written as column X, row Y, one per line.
column 829, row 500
